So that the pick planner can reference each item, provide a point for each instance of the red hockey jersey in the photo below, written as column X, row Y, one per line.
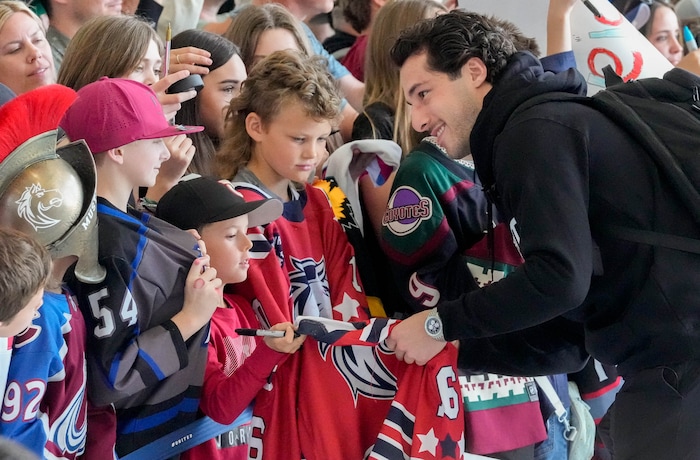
column 319, row 276
column 345, row 395
column 237, row 368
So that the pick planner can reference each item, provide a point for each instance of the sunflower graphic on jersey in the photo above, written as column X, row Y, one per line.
column 339, row 202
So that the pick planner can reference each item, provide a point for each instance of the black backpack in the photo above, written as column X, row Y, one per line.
column 663, row 115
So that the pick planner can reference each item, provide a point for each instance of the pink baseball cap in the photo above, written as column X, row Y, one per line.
column 112, row 112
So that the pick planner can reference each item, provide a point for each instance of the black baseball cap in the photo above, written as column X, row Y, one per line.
column 204, row 200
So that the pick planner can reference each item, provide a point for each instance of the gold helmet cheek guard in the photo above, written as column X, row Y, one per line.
column 49, row 193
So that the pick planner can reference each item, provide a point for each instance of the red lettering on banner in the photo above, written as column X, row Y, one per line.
column 637, row 63
column 610, row 22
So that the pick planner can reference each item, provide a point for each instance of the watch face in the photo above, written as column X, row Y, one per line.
column 433, row 326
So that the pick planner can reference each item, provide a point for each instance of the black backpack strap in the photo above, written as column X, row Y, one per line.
column 673, row 100
column 665, row 240
column 613, row 105
column 611, row 78
column 615, row 108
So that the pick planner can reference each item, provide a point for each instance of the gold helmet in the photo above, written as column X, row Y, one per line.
column 49, row 192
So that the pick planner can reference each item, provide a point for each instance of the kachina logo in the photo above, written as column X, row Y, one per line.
column 406, row 210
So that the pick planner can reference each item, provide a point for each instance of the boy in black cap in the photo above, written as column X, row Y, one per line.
column 238, row 366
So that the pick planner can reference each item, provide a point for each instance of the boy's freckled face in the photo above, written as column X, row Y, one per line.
column 23, row 318
column 227, row 246
column 289, row 147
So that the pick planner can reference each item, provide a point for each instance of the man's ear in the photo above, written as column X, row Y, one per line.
column 475, row 70
column 254, row 126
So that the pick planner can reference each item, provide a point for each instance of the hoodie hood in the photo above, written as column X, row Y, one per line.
column 522, row 79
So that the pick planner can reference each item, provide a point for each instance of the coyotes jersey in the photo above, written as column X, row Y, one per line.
column 44, row 406
column 433, row 233
column 433, row 230
column 345, row 392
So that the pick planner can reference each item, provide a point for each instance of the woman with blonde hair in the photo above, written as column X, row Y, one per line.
column 383, row 98
column 26, row 62
column 382, row 87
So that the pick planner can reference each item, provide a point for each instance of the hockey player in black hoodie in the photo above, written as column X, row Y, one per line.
column 562, row 174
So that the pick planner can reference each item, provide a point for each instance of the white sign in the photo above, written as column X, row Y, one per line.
column 611, row 40
column 597, row 41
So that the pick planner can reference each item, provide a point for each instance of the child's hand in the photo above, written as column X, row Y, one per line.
column 181, row 153
column 691, row 62
column 202, row 296
column 286, row 344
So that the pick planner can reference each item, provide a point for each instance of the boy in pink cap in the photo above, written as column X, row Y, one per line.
column 148, row 320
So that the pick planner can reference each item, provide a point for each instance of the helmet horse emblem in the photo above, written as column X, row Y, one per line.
column 35, row 202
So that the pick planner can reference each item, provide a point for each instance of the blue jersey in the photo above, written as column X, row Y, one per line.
column 44, row 405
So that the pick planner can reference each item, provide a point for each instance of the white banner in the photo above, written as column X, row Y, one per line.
column 597, row 41
column 611, row 39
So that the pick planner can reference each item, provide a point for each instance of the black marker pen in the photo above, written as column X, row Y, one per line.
column 592, row 7
column 259, row 332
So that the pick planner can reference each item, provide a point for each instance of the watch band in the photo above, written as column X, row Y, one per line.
column 433, row 325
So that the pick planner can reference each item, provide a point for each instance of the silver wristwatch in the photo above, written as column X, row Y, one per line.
column 433, row 325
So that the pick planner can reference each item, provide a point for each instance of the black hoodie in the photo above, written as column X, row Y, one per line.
column 562, row 172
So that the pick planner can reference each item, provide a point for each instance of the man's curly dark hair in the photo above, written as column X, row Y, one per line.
column 450, row 40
